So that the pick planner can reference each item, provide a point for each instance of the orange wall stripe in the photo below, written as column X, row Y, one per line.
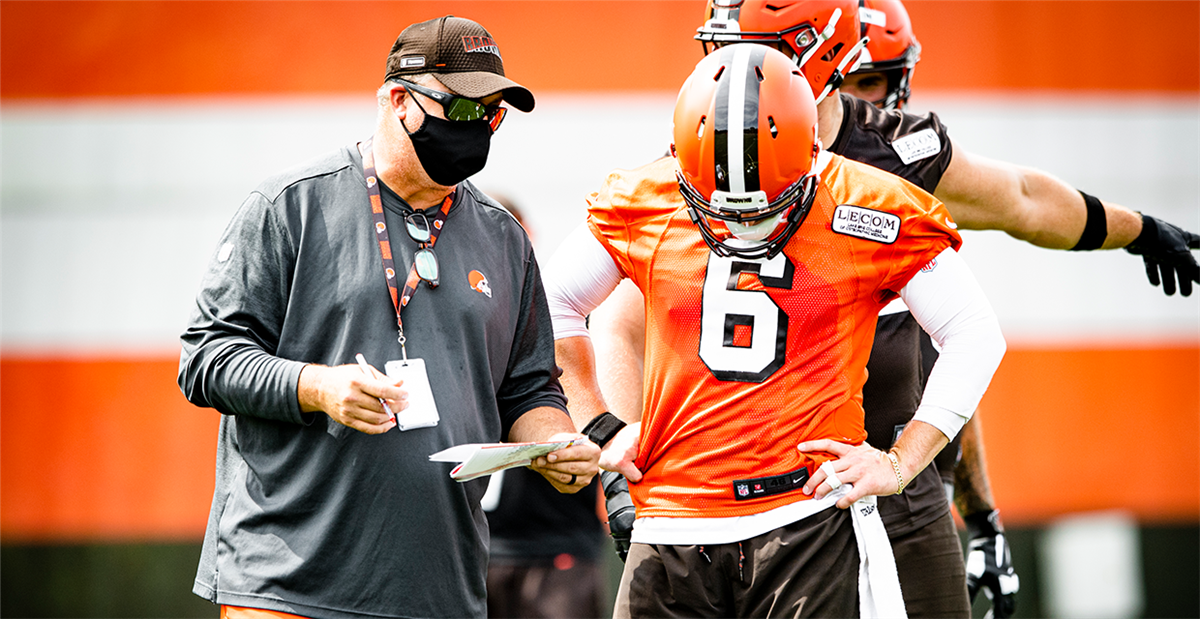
column 1078, row 430
column 106, row 48
column 102, row 449
column 109, row 449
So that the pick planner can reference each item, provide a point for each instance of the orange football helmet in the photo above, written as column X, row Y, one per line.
column 892, row 49
column 745, row 143
column 821, row 36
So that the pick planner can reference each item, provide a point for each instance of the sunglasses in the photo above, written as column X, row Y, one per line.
column 461, row 108
column 417, row 226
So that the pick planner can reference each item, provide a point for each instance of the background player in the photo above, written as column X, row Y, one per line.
column 884, row 78
column 981, row 194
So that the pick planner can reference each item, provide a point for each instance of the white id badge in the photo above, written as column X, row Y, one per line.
column 422, row 410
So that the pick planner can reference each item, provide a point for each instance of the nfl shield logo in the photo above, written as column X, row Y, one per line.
column 743, row 490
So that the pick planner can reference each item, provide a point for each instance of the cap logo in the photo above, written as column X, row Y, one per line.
column 409, row 62
column 481, row 44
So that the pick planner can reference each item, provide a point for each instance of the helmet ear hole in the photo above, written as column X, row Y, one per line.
column 758, row 72
column 771, row 124
column 831, row 54
column 700, row 128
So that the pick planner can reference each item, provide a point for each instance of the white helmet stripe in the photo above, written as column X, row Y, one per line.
column 736, row 122
column 737, row 119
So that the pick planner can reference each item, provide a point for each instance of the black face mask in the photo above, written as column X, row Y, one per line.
column 451, row 150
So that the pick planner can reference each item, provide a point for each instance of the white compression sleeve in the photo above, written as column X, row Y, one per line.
column 950, row 306
column 578, row 278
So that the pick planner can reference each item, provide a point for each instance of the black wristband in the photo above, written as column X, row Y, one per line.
column 602, row 428
column 1095, row 231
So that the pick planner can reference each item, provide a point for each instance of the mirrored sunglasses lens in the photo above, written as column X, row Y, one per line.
column 465, row 109
column 427, row 265
column 497, row 117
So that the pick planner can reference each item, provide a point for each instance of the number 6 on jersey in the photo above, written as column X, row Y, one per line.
column 728, row 312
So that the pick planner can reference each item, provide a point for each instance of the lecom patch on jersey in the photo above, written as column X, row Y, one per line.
column 866, row 223
column 917, row 146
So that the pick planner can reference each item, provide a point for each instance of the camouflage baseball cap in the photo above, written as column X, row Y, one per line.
column 460, row 54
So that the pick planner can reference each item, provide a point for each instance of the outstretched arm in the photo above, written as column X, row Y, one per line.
column 1033, row 206
column 1028, row 204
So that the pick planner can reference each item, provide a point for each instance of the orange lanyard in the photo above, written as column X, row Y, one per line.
column 385, row 245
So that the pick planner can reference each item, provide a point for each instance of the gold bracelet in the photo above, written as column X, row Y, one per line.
column 896, row 467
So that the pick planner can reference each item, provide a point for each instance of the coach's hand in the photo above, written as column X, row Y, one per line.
column 989, row 563
column 351, row 397
column 571, row 468
column 620, row 510
column 1166, row 250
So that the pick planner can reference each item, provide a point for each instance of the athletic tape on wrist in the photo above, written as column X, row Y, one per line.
column 1095, row 231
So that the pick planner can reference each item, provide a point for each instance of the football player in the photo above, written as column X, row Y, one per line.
column 823, row 36
column 765, row 262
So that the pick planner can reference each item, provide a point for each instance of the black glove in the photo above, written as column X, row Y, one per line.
column 1166, row 250
column 620, row 510
column 989, row 563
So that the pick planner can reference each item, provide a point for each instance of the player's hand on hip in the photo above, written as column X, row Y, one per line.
column 1166, row 250
column 989, row 563
column 569, row 469
column 867, row 468
column 619, row 454
column 351, row 397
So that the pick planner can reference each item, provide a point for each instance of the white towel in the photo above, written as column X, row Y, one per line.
column 878, row 583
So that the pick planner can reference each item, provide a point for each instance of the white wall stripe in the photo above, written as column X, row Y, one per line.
column 108, row 213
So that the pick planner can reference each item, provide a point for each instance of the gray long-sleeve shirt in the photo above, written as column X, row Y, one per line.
column 310, row 516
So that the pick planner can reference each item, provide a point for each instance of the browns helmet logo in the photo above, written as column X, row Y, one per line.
column 479, row 283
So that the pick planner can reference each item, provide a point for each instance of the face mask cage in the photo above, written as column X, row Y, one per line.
column 798, row 198
column 800, row 43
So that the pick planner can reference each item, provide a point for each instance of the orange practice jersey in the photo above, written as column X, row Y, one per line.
column 747, row 358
